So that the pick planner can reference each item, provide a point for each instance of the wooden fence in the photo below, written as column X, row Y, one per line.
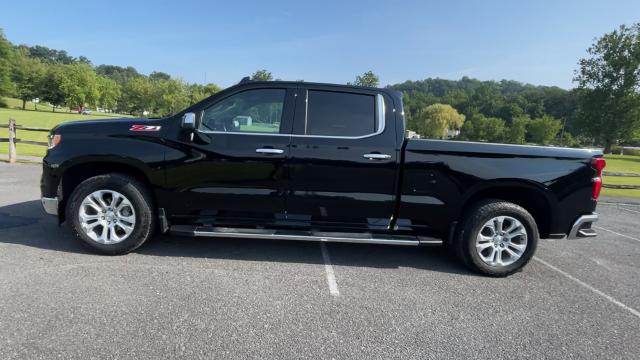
column 13, row 137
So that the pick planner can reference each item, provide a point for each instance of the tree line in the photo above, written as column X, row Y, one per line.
column 53, row 76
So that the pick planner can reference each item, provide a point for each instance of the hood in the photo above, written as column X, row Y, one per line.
column 108, row 126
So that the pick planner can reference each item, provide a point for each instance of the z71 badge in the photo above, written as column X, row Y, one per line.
column 145, row 128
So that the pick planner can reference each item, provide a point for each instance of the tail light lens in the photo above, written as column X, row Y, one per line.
column 598, row 164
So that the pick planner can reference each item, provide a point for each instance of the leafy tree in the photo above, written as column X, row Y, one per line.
column 517, row 130
column 481, row 128
column 80, row 85
column 437, row 120
column 609, row 87
column 159, row 75
column 543, row 130
column 27, row 76
column 368, row 79
column 139, row 95
column 50, row 55
column 199, row 92
column 262, row 75
column 109, row 93
column 52, row 86
column 170, row 96
column 6, row 52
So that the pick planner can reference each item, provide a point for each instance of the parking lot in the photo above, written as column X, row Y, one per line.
column 218, row 298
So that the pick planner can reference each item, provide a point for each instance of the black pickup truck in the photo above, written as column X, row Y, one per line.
column 306, row 161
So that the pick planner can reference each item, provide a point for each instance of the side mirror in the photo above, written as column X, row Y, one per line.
column 188, row 121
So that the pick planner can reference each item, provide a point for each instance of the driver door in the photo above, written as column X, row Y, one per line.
column 235, row 172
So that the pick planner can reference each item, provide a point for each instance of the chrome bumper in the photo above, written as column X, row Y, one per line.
column 50, row 205
column 582, row 227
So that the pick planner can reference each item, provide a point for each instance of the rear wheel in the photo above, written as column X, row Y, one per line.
column 496, row 238
column 111, row 213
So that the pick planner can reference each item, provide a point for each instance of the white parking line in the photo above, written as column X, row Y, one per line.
column 616, row 233
column 580, row 282
column 328, row 268
column 633, row 211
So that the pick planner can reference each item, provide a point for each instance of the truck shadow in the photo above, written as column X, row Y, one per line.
column 26, row 224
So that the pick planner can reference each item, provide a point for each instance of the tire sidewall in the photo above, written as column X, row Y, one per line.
column 484, row 214
column 125, row 186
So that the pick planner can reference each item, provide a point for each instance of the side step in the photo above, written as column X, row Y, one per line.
column 358, row 238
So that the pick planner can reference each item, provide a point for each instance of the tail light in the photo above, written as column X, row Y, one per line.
column 598, row 164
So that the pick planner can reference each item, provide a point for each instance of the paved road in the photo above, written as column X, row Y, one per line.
column 201, row 298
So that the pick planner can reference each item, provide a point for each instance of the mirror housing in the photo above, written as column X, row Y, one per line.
column 188, row 121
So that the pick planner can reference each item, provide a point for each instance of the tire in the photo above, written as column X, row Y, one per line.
column 134, row 203
column 499, row 249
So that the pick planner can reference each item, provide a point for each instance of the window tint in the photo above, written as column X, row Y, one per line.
column 340, row 114
column 249, row 111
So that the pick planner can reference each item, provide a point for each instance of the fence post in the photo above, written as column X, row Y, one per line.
column 12, row 140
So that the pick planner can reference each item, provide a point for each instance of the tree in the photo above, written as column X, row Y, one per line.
column 543, row 130
column 139, row 95
column 52, row 86
column 109, row 93
column 481, row 128
column 80, row 85
column 6, row 53
column 159, row 75
column 609, row 86
column 170, row 96
column 437, row 120
column 516, row 132
column 27, row 76
column 262, row 75
column 368, row 79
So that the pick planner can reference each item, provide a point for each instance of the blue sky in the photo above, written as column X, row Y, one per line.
column 534, row 41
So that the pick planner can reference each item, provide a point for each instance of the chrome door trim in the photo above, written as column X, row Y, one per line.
column 269, row 151
column 377, row 156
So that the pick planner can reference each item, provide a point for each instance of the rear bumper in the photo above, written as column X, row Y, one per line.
column 50, row 205
column 581, row 228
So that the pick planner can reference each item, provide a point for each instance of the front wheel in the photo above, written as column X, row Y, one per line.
column 496, row 238
column 111, row 213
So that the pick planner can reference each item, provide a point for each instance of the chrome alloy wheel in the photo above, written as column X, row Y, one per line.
column 501, row 241
column 107, row 216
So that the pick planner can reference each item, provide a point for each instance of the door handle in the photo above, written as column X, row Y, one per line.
column 269, row 151
column 376, row 156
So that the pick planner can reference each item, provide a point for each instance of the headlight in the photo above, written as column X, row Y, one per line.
column 54, row 140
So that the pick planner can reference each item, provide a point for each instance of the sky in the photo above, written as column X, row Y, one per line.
column 538, row 42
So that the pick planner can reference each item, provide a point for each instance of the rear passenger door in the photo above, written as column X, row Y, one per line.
column 343, row 160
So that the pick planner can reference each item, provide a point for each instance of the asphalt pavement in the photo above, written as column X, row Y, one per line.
column 229, row 298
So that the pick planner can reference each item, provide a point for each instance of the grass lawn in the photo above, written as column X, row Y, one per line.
column 622, row 163
column 44, row 119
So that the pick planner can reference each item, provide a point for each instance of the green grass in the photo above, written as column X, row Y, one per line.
column 622, row 163
column 44, row 119
column 17, row 104
column 260, row 127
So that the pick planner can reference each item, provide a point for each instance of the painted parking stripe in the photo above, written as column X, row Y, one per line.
column 328, row 268
column 609, row 298
column 616, row 233
column 630, row 210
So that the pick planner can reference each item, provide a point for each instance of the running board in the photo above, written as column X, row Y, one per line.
column 341, row 237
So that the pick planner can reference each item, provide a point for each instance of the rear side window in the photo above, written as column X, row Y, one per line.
column 340, row 114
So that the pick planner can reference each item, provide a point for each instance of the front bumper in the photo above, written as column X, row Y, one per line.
column 582, row 227
column 50, row 205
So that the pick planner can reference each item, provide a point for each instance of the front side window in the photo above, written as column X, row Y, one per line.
column 340, row 114
column 254, row 111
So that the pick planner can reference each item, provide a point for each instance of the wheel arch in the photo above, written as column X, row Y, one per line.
column 532, row 196
column 80, row 171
